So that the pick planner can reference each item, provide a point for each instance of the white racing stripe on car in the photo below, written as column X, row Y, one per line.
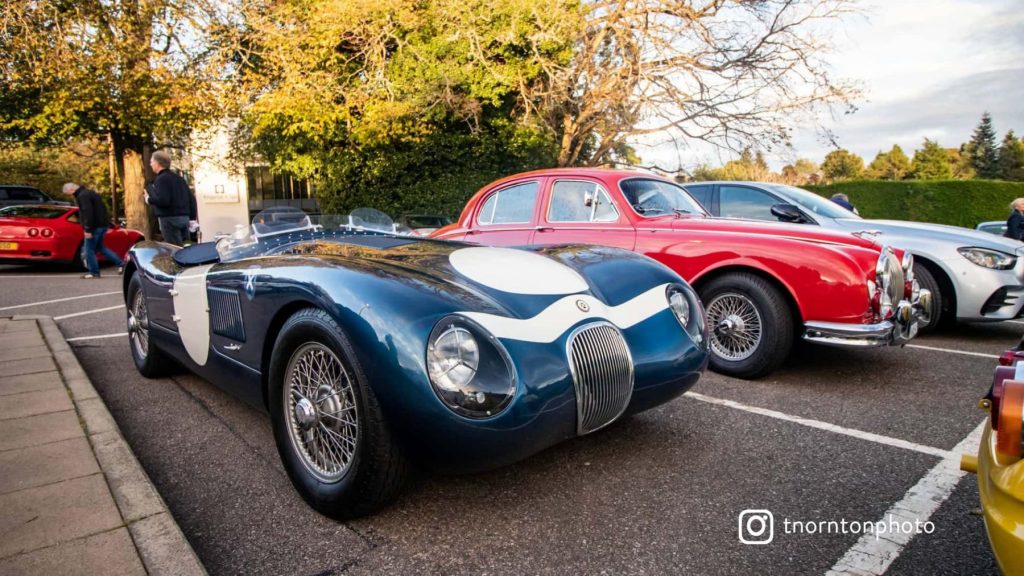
column 97, row 337
column 516, row 271
column 872, row 555
column 192, row 312
column 29, row 305
column 557, row 318
column 853, row 432
column 951, row 351
column 76, row 314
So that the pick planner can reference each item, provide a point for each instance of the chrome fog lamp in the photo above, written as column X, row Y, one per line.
column 908, row 262
column 468, row 369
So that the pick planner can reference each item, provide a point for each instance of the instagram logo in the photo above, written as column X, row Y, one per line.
column 756, row 527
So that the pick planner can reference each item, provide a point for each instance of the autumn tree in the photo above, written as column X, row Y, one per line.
column 931, row 162
column 400, row 105
column 356, row 91
column 728, row 72
column 800, row 172
column 981, row 150
column 1010, row 160
column 842, row 164
column 891, row 165
column 136, row 73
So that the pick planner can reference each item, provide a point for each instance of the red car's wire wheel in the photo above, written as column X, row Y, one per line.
column 736, row 326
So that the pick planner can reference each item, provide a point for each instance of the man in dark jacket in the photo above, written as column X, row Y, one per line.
column 171, row 200
column 92, row 213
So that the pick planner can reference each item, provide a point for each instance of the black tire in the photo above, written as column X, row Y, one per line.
column 373, row 474
column 940, row 315
column 744, row 300
column 150, row 361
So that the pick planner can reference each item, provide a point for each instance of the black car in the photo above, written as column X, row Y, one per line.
column 17, row 195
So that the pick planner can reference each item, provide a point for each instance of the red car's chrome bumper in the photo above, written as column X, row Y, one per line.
column 897, row 331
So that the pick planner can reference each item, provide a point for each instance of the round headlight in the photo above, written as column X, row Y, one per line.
column 688, row 311
column 680, row 307
column 453, row 358
column 468, row 369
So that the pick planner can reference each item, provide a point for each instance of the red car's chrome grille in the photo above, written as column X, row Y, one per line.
column 602, row 373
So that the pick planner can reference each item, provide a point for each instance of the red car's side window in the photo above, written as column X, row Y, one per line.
column 512, row 205
column 580, row 201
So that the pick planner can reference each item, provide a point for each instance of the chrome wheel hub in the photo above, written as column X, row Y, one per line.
column 320, row 405
column 738, row 326
column 138, row 325
column 305, row 414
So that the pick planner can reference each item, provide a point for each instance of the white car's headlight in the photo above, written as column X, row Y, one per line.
column 989, row 258
column 468, row 370
column 688, row 310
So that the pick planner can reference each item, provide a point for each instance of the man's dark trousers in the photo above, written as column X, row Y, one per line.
column 96, row 243
column 174, row 229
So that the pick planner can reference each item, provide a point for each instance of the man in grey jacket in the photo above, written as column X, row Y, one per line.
column 171, row 200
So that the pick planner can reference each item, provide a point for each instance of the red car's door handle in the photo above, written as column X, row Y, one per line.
column 544, row 229
column 471, row 232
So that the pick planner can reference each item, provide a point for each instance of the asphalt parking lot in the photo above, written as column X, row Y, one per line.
column 853, row 435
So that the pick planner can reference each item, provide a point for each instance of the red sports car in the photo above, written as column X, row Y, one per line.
column 45, row 233
column 761, row 289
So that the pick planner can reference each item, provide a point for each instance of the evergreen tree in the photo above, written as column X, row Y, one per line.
column 981, row 150
column 931, row 162
column 1011, row 158
column 842, row 164
column 891, row 165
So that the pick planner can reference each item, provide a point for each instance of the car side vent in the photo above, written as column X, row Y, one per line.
column 226, row 314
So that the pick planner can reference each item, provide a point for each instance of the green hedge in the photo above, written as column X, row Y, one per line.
column 956, row 202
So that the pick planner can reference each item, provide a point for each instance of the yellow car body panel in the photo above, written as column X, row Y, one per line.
column 1002, row 501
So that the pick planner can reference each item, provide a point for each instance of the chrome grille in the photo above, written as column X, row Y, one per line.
column 602, row 373
column 894, row 270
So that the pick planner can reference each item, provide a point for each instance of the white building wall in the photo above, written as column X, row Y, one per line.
column 220, row 187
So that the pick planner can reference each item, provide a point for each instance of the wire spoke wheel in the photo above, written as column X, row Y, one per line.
column 138, row 325
column 737, row 326
column 320, row 406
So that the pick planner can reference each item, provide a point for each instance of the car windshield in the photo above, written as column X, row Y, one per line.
column 48, row 212
column 278, row 226
column 656, row 197
column 812, row 202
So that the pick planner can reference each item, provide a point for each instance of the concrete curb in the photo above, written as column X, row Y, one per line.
column 158, row 539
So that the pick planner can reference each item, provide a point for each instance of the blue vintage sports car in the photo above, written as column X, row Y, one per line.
column 371, row 350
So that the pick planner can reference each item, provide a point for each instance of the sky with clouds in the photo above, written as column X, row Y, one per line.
column 928, row 68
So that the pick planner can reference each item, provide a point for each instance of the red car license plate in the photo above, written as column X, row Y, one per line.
column 8, row 245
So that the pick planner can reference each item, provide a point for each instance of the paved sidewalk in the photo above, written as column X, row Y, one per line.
column 73, row 498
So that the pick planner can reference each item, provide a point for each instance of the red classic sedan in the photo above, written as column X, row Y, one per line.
column 761, row 289
column 46, row 233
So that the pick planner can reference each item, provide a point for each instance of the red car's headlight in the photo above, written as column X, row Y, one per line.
column 1008, row 421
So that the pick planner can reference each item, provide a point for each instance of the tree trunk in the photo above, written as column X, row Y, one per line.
column 135, row 209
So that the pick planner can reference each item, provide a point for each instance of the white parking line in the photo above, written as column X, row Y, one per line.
column 869, row 436
column 60, row 300
column 951, row 351
column 97, row 337
column 15, row 277
column 872, row 555
column 66, row 316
